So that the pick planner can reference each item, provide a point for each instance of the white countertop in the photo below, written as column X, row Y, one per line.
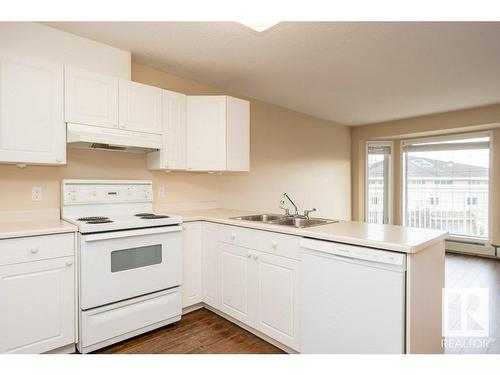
column 389, row 237
column 26, row 228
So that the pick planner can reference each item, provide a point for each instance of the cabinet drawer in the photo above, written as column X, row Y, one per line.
column 111, row 321
column 270, row 242
column 27, row 249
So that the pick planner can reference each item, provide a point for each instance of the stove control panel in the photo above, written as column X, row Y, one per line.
column 106, row 192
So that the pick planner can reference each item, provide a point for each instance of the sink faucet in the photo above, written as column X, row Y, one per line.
column 307, row 212
column 282, row 205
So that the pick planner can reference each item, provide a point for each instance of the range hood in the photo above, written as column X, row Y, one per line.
column 94, row 137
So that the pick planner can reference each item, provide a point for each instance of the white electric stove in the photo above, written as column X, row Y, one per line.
column 130, row 260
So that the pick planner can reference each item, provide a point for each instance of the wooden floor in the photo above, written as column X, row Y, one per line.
column 205, row 332
column 199, row 332
column 464, row 271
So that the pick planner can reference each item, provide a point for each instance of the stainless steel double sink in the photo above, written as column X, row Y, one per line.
column 291, row 221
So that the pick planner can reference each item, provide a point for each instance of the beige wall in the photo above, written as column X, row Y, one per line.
column 307, row 157
column 44, row 42
column 476, row 119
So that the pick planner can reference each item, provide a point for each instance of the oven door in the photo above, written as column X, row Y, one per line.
column 118, row 265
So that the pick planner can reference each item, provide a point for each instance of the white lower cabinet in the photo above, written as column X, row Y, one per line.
column 210, row 238
column 37, row 305
column 253, row 277
column 235, row 282
column 260, row 290
column 192, row 255
column 277, row 298
column 37, row 293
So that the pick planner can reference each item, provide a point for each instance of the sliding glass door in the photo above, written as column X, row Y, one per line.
column 446, row 185
column 378, row 182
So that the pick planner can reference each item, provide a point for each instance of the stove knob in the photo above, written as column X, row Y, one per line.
column 34, row 250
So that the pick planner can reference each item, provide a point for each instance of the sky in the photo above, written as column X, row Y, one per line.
column 478, row 158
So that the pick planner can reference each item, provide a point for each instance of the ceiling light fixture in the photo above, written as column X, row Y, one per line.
column 259, row 26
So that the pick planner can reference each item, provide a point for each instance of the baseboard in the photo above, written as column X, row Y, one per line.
column 471, row 248
column 188, row 309
column 68, row 349
column 473, row 254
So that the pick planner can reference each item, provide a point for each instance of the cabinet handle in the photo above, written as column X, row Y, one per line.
column 233, row 236
column 255, row 256
column 249, row 255
column 69, row 263
column 34, row 250
column 59, row 159
column 274, row 245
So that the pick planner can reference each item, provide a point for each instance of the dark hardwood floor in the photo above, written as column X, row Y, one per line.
column 199, row 332
column 465, row 271
column 205, row 332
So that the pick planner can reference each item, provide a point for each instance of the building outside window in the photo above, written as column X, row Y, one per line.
column 446, row 185
column 378, row 182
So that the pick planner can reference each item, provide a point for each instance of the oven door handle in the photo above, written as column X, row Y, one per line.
column 131, row 233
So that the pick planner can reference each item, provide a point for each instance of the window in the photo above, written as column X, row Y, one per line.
column 457, row 197
column 378, row 171
column 472, row 201
column 434, row 201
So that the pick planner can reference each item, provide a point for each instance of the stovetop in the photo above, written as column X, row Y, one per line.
column 103, row 223
column 111, row 205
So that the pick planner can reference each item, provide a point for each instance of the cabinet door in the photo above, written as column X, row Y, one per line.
column 277, row 298
column 235, row 281
column 209, row 264
column 38, row 306
column 90, row 98
column 140, row 107
column 206, row 133
column 32, row 128
column 174, row 129
column 191, row 276
column 238, row 134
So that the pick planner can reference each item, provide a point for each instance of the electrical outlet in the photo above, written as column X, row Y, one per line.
column 36, row 193
column 161, row 192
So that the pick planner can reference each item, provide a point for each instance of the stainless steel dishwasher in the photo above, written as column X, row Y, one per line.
column 352, row 299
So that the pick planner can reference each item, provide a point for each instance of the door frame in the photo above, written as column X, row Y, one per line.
column 389, row 180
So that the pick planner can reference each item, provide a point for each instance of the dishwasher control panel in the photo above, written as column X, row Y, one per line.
column 354, row 252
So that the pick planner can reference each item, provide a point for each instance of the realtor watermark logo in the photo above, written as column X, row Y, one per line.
column 466, row 317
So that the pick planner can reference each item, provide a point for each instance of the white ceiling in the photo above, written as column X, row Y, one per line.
column 347, row 72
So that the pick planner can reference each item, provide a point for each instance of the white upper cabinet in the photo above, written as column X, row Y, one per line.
column 173, row 153
column 140, row 107
column 174, row 129
column 90, row 98
column 238, row 134
column 32, row 128
column 218, row 136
